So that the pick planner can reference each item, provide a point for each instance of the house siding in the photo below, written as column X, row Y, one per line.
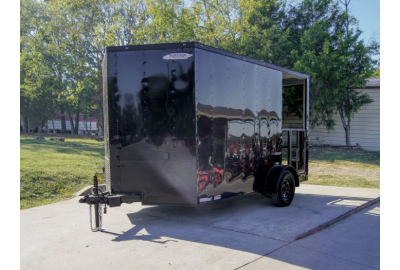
column 365, row 127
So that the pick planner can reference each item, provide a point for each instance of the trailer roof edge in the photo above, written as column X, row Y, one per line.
column 207, row 48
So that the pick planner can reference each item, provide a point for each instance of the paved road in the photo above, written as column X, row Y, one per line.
column 245, row 233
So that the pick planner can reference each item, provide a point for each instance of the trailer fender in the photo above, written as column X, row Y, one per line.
column 260, row 177
column 273, row 175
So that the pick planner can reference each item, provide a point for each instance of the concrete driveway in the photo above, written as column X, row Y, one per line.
column 245, row 232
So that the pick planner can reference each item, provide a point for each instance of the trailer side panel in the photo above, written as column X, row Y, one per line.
column 239, row 121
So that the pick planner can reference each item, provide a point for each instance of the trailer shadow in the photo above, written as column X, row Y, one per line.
column 249, row 223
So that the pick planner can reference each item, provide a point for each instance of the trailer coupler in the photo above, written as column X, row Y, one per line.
column 110, row 200
column 107, row 199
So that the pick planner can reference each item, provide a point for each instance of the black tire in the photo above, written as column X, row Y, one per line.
column 285, row 188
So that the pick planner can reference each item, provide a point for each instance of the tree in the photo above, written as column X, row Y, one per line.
column 218, row 22
column 44, row 55
column 79, row 57
column 265, row 32
column 37, row 97
column 314, row 24
column 377, row 72
column 338, row 61
column 356, row 66
column 62, row 45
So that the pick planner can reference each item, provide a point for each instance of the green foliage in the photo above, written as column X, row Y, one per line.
column 36, row 97
column 293, row 100
column 377, row 72
column 265, row 32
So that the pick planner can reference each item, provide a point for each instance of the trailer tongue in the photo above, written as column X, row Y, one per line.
column 186, row 123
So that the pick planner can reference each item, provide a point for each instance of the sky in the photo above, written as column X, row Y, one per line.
column 367, row 13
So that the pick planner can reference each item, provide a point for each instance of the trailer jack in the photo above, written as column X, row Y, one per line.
column 98, row 197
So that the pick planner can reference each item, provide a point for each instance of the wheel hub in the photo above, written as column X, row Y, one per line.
column 286, row 190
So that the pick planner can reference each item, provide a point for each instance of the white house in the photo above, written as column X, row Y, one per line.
column 364, row 127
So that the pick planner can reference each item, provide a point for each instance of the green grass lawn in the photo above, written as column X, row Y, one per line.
column 52, row 171
column 344, row 167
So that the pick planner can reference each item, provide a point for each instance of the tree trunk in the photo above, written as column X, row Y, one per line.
column 22, row 124
column 44, row 124
column 71, row 121
column 26, row 126
column 63, row 124
column 76, row 129
column 347, row 131
column 40, row 127
column 77, row 112
column 86, row 130
column 52, row 122
column 346, row 127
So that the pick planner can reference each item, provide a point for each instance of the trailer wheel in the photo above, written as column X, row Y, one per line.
column 285, row 187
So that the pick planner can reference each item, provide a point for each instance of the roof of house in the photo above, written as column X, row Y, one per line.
column 373, row 83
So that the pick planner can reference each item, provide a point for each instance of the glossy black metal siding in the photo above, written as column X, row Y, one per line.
column 239, row 122
column 151, row 120
column 185, row 131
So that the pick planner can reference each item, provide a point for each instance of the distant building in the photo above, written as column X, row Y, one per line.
column 89, row 125
column 364, row 127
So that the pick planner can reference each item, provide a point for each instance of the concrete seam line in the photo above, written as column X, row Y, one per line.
column 262, row 256
column 337, row 219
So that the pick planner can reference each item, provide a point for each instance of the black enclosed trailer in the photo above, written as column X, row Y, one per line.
column 187, row 123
